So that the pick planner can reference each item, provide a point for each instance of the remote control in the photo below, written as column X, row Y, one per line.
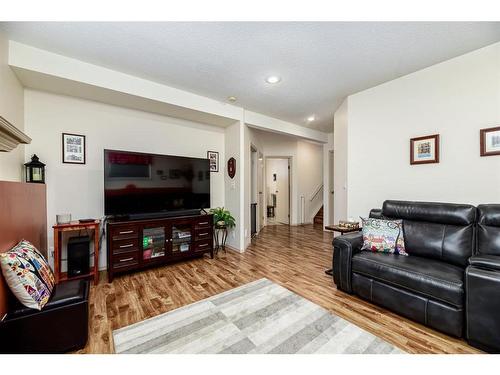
column 86, row 220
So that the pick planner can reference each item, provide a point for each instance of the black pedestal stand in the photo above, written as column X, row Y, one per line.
column 220, row 238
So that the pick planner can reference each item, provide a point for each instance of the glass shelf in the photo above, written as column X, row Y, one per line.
column 181, row 238
column 153, row 243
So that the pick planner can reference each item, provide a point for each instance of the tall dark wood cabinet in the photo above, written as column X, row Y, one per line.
column 133, row 245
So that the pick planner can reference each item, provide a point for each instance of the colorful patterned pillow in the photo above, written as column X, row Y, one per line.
column 384, row 236
column 28, row 275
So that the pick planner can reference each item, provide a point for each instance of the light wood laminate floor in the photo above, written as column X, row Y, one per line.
column 294, row 257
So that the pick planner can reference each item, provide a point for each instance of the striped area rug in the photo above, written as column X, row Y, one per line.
column 259, row 317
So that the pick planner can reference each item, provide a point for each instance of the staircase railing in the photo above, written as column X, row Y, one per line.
column 306, row 204
column 316, row 192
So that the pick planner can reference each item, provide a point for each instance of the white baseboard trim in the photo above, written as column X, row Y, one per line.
column 234, row 249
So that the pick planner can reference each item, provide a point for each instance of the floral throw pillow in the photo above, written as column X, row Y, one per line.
column 385, row 236
column 28, row 275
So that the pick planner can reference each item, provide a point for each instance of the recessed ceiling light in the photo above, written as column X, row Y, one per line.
column 232, row 99
column 311, row 118
column 273, row 79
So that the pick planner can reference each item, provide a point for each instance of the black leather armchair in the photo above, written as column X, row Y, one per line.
column 61, row 326
column 483, row 282
column 427, row 286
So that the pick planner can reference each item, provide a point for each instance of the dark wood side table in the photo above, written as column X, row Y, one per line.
column 71, row 227
column 342, row 231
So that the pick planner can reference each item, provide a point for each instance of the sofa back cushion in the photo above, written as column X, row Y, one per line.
column 442, row 231
column 488, row 229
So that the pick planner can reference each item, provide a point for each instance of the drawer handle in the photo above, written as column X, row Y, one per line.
column 127, row 232
column 203, row 245
column 203, row 234
column 126, row 259
column 124, row 246
column 203, row 223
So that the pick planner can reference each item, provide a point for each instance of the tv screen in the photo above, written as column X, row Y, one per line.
column 137, row 183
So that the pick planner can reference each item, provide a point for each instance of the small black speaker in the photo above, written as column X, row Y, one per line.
column 78, row 256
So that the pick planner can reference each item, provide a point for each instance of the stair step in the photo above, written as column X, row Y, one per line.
column 318, row 219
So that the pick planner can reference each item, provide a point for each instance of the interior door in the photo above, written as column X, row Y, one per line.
column 260, row 188
column 282, row 193
column 330, row 189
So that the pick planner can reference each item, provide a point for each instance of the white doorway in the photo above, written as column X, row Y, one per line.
column 278, row 190
column 254, row 196
column 331, row 191
column 261, row 209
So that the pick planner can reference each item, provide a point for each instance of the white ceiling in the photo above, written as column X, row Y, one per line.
column 320, row 63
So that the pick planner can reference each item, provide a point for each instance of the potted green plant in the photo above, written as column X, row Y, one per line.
column 222, row 218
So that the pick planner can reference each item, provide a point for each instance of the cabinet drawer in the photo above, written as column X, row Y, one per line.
column 202, row 234
column 203, row 223
column 124, row 232
column 125, row 260
column 125, row 246
column 201, row 246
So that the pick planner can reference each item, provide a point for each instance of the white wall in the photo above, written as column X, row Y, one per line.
column 78, row 189
column 251, row 139
column 455, row 99
column 12, row 109
column 310, row 179
column 328, row 175
column 234, row 186
column 340, row 147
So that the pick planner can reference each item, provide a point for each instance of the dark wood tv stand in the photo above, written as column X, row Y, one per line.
column 137, row 244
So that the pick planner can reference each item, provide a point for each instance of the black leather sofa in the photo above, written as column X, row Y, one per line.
column 483, row 283
column 429, row 285
column 61, row 326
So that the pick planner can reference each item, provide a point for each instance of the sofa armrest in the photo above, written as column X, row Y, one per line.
column 344, row 247
column 490, row 262
column 61, row 326
column 482, row 302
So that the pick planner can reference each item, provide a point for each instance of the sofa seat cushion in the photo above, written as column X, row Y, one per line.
column 431, row 278
column 64, row 294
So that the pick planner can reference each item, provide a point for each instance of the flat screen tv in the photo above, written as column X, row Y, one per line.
column 149, row 185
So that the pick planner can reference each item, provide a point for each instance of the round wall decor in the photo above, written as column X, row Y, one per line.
column 231, row 167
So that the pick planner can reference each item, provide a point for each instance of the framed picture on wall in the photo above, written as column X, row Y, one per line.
column 73, row 148
column 213, row 157
column 424, row 150
column 490, row 141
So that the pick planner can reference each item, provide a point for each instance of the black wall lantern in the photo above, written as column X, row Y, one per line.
column 35, row 170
